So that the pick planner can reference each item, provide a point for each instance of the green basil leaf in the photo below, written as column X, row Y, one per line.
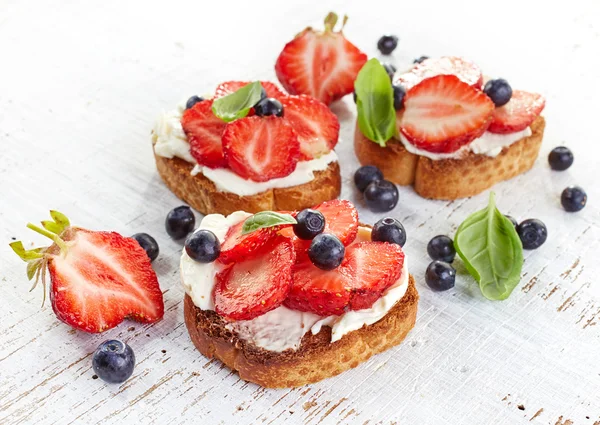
column 375, row 103
column 265, row 219
column 237, row 104
column 491, row 249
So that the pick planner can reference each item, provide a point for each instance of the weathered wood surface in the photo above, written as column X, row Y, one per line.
column 80, row 86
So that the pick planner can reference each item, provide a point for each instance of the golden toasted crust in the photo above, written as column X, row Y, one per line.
column 450, row 178
column 314, row 360
column 201, row 193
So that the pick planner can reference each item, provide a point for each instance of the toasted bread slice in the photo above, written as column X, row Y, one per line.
column 316, row 358
column 450, row 178
column 201, row 193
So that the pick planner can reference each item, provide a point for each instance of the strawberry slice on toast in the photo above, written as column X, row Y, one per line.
column 341, row 219
column 317, row 127
column 97, row 279
column 256, row 285
column 518, row 114
column 204, row 131
column 321, row 64
column 442, row 113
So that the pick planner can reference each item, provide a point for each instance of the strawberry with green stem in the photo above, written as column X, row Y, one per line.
column 97, row 279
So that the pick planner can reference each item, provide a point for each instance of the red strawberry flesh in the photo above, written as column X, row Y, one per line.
column 518, row 114
column 256, row 285
column 341, row 219
column 204, row 131
column 442, row 114
column 236, row 246
column 102, row 279
column 316, row 126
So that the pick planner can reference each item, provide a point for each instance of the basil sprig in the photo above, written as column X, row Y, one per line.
column 491, row 249
column 237, row 104
column 265, row 219
column 375, row 103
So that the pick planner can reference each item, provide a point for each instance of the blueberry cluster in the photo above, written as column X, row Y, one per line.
column 380, row 195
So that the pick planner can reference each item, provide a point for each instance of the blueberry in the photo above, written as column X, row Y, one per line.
column 560, row 158
column 268, row 106
column 390, row 69
column 326, row 251
column 573, row 199
column 389, row 230
column 148, row 243
column 387, row 44
column 192, row 101
column 420, row 59
column 512, row 220
column 441, row 248
column 399, row 93
column 532, row 232
column 381, row 195
column 309, row 224
column 113, row 361
column 440, row 276
column 180, row 222
column 366, row 175
column 499, row 91
column 203, row 246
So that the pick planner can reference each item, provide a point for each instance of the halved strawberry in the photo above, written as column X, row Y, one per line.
column 341, row 219
column 254, row 286
column 441, row 114
column 321, row 64
column 371, row 267
column 261, row 148
column 229, row 87
column 518, row 114
column 237, row 247
column 320, row 292
column 316, row 126
column 204, row 130
column 465, row 70
column 97, row 279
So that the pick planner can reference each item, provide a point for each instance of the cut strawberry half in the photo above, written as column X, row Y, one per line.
column 465, row 70
column 321, row 64
column 204, row 131
column 229, row 87
column 254, row 286
column 261, row 148
column 237, row 247
column 316, row 126
column 518, row 114
column 97, row 279
column 341, row 219
column 321, row 292
column 442, row 114
column 371, row 267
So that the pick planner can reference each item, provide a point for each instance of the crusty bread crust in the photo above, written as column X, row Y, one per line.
column 314, row 360
column 201, row 193
column 450, row 178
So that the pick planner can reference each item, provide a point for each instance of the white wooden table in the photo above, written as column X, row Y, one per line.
column 80, row 86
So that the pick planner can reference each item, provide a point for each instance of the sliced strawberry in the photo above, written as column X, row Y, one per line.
column 229, row 87
column 101, row 279
column 321, row 64
column 204, row 130
column 442, row 114
column 518, row 114
column 341, row 219
column 253, row 286
column 237, row 247
column 465, row 70
column 320, row 292
column 371, row 267
column 316, row 126
column 261, row 149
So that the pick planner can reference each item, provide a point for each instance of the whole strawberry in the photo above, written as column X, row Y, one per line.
column 321, row 64
column 97, row 279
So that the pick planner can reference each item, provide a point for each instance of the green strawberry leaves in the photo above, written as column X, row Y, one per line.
column 236, row 105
